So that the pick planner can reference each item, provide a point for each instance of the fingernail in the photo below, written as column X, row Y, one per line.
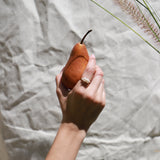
column 92, row 56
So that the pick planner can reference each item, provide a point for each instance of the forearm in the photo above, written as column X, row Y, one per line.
column 67, row 142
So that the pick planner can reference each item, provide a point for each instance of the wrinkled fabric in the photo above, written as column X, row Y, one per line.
column 36, row 38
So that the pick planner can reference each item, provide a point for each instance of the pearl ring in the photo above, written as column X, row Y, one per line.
column 85, row 80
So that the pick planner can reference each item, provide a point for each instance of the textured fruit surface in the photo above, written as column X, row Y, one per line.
column 75, row 66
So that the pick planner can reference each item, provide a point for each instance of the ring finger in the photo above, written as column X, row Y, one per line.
column 88, row 72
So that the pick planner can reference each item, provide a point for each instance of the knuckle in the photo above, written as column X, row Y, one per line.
column 78, row 90
column 90, row 69
column 99, row 102
column 92, row 98
column 89, row 96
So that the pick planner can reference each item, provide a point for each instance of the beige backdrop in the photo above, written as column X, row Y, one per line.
column 36, row 38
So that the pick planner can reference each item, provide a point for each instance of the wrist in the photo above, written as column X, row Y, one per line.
column 67, row 142
column 73, row 130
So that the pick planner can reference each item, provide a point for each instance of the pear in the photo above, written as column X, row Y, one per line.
column 75, row 65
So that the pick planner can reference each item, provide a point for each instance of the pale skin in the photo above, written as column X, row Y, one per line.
column 80, row 108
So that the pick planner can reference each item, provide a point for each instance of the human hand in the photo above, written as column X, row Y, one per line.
column 82, row 105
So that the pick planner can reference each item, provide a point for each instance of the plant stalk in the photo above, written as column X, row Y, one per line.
column 151, row 14
column 126, row 25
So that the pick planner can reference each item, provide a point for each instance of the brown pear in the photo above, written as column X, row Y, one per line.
column 76, row 64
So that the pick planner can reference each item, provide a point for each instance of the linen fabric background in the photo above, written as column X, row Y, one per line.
column 36, row 38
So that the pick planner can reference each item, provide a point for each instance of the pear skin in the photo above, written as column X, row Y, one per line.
column 76, row 64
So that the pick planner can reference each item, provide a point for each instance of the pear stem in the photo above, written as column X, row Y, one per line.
column 85, row 36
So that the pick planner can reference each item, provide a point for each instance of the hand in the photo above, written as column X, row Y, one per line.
column 82, row 105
